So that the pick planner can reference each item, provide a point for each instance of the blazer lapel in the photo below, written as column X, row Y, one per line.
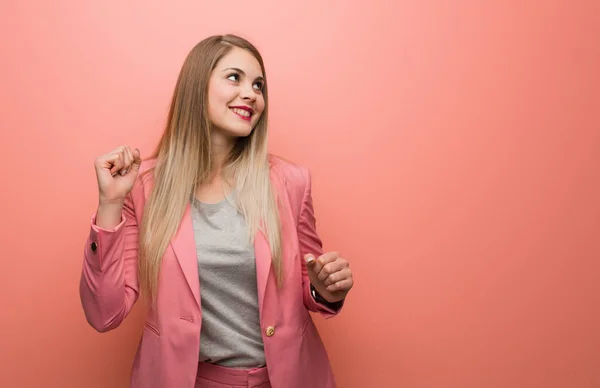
column 184, row 246
column 183, row 243
column 263, row 265
column 262, row 250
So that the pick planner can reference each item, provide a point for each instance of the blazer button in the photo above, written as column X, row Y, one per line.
column 270, row 331
column 94, row 247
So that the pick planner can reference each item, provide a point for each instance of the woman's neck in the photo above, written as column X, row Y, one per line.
column 221, row 149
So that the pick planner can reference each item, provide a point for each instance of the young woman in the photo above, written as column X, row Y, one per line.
column 217, row 236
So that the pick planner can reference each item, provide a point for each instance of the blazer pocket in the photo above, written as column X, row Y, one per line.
column 152, row 328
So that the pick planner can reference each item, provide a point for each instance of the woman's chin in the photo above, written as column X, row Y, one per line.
column 234, row 132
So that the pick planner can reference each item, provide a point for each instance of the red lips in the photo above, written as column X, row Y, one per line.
column 246, row 108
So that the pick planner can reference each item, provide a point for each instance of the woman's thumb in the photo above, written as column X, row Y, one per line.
column 137, row 159
column 310, row 261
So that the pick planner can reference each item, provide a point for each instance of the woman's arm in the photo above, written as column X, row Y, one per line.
column 109, row 284
column 310, row 243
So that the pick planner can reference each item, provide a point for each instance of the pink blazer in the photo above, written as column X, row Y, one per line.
column 167, row 355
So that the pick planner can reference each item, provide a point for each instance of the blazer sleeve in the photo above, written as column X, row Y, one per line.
column 310, row 242
column 109, row 286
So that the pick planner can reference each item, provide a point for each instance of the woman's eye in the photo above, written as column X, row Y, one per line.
column 258, row 86
column 233, row 77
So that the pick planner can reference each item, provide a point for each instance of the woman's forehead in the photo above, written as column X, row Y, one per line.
column 241, row 59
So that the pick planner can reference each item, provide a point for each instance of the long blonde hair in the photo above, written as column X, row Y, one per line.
column 183, row 160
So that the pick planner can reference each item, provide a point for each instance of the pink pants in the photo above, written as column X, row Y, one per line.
column 214, row 376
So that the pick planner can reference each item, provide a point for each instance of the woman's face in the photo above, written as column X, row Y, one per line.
column 235, row 99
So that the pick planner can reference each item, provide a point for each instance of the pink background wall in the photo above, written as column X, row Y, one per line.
column 455, row 148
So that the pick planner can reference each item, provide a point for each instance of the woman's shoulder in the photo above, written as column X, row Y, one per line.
column 147, row 165
column 289, row 171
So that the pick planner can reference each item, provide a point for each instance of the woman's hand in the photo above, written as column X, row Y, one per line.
column 116, row 172
column 330, row 275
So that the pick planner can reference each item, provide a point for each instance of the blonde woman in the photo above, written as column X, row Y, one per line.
column 217, row 236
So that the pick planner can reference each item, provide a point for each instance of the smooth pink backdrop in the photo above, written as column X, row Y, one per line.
column 455, row 151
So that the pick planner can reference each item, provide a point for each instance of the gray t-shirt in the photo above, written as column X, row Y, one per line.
column 230, row 335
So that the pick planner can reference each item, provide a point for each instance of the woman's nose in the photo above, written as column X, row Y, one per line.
column 247, row 93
